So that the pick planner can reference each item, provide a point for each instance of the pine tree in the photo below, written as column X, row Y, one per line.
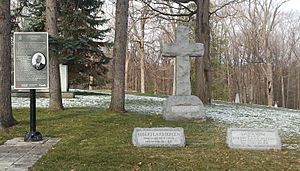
column 35, row 16
column 83, row 40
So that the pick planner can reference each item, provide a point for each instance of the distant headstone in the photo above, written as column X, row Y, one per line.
column 64, row 78
column 253, row 139
column 91, row 82
column 237, row 98
column 158, row 137
column 276, row 104
column 183, row 106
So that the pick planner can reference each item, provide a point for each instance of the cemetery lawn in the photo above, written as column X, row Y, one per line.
column 95, row 139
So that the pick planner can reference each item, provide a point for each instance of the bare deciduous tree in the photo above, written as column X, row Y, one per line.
column 55, row 101
column 119, row 56
column 203, row 69
column 6, row 117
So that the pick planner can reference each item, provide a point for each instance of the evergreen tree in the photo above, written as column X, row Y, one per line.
column 35, row 16
column 81, row 38
column 83, row 41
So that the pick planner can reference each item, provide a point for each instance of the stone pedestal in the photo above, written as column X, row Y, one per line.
column 183, row 108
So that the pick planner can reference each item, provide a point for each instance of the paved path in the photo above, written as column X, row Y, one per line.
column 17, row 155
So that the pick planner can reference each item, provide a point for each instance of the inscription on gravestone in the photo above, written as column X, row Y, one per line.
column 158, row 137
column 31, row 60
column 256, row 139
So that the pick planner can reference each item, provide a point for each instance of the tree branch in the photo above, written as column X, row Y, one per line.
column 170, row 14
column 226, row 4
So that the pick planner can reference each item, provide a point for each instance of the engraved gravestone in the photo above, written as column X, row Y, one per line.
column 31, row 69
column 158, row 137
column 255, row 139
column 183, row 106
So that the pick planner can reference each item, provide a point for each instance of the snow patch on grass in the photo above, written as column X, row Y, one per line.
column 246, row 116
column 238, row 115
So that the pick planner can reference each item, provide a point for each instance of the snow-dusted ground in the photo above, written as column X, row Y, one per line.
column 285, row 120
column 256, row 116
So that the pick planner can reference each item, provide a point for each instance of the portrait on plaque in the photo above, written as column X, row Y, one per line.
column 39, row 61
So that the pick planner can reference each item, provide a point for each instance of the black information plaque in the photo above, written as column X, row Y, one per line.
column 31, row 70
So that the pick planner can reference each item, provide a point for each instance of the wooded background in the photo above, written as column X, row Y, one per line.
column 253, row 49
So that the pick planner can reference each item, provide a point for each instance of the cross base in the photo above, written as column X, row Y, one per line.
column 184, row 108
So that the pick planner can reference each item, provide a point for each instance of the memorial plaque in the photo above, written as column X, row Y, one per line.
column 256, row 139
column 158, row 137
column 31, row 59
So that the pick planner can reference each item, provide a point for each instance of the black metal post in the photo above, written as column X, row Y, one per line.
column 32, row 110
column 33, row 135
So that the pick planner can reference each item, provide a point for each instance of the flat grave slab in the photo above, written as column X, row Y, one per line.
column 253, row 139
column 158, row 137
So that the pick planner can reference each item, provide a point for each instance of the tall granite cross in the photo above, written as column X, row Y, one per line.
column 182, row 49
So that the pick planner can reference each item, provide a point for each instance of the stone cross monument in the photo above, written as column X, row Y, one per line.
column 183, row 105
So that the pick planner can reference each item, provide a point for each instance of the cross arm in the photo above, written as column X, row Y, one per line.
column 196, row 49
column 169, row 50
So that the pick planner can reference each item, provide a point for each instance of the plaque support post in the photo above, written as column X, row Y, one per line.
column 33, row 135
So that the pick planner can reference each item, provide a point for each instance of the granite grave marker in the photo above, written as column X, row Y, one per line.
column 183, row 106
column 158, row 137
column 255, row 139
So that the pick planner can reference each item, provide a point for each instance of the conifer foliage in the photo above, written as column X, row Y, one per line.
column 81, row 41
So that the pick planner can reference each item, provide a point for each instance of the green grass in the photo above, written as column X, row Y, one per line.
column 95, row 139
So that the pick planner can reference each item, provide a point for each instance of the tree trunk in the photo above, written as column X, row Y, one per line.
column 55, row 101
column 174, row 77
column 270, row 90
column 6, row 117
column 282, row 88
column 127, row 71
column 119, row 56
column 143, row 70
column 269, row 69
column 155, row 81
column 142, row 62
column 298, row 88
column 203, row 69
column 142, row 48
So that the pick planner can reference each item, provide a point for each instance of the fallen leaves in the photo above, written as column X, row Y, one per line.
column 136, row 167
column 140, row 164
